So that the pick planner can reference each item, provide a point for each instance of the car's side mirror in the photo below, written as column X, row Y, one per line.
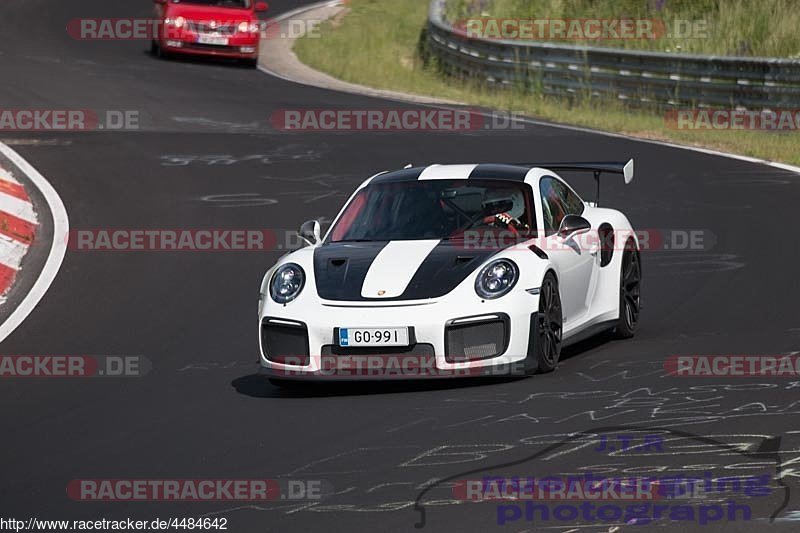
column 573, row 225
column 310, row 232
column 261, row 6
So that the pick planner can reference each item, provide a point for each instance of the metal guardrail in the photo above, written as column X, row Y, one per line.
column 636, row 77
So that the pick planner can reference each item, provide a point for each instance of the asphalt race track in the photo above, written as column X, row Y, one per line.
column 206, row 157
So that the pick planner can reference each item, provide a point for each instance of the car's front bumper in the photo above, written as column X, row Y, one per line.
column 238, row 47
column 443, row 334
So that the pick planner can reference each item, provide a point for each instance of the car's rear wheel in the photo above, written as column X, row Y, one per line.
column 550, row 321
column 155, row 49
column 629, row 293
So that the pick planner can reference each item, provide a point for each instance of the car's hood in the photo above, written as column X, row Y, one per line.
column 393, row 270
column 208, row 13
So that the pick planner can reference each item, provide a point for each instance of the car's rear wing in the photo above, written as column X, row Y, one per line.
column 611, row 167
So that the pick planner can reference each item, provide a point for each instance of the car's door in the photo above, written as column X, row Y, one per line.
column 575, row 257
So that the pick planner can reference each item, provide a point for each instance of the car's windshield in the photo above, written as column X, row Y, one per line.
column 434, row 209
column 218, row 3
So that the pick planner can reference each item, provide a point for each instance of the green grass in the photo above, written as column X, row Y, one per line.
column 375, row 44
column 732, row 27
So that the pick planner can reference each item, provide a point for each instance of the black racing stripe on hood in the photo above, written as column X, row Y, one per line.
column 448, row 264
column 340, row 268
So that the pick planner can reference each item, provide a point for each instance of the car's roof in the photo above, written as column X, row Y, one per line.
column 484, row 171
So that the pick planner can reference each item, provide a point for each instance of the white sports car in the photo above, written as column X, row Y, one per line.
column 451, row 270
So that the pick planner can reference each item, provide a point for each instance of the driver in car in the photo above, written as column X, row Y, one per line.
column 509, row 211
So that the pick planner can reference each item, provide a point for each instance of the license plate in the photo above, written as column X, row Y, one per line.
column 206, row 38
column 373, row 337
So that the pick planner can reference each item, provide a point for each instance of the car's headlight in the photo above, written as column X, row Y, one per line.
column 177, row 22
column 287, row 282
column 248, row 27
column 496, row 278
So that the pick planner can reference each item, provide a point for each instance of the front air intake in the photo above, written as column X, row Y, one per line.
column 475, row 338
column 285, row 341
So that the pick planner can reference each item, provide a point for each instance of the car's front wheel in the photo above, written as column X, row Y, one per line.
column 629, row 293
column 547, row 348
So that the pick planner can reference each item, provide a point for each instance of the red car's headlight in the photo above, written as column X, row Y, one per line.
column 175, row 22
column 248, row 27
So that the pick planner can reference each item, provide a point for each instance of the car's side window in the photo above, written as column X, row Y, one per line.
column 553, row 207
column 558, row 200
column 573, row 202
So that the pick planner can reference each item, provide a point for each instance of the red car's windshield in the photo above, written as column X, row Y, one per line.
column 432, row 209
column 243, row 4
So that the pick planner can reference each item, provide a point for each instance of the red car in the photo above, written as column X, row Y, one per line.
column 219, row 28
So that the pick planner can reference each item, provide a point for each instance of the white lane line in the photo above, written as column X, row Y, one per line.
column 19, row 208
column 58, row 247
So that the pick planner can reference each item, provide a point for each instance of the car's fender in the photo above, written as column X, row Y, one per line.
column 606, row 299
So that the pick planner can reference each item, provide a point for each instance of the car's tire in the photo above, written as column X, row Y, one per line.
column 630, row 282
column 250, row 63
column 550, row 319
column 155, row 50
